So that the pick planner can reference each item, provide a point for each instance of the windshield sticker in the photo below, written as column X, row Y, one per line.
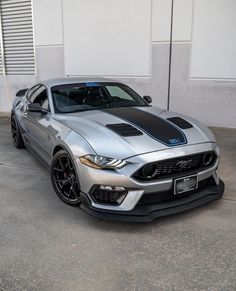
column 92, row 84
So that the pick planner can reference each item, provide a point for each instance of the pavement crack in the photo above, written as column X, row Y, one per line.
column 20, row 167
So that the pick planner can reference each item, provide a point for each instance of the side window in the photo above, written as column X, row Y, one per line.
column 30, row 93
column 40, row 96
column 36, row 93
column 45, row 103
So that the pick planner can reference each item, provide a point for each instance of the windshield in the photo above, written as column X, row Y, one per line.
column 69, row 98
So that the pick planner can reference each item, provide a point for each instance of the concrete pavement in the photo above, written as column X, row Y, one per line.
column 47, row 245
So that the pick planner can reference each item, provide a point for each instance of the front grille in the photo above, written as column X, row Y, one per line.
column 176, row 166
column 166, row 196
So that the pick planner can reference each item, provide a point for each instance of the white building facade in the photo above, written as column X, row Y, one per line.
column 130, row 41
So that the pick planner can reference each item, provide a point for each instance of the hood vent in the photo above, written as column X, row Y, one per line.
column 124, row 129
column 180, row 122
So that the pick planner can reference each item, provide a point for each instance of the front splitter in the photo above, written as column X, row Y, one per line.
column 147, row 213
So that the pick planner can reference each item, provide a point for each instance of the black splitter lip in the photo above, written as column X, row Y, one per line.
column 151, row 212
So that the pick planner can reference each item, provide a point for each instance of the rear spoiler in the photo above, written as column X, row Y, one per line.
column 21, row 92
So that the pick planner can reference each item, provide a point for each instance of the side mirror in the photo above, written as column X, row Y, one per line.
column 21, row 92
column 148, row 99
column 34, row 107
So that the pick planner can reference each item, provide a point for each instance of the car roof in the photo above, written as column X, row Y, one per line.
column 61, row 81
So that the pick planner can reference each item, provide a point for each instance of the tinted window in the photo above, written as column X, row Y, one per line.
column 40, row 96
column 92, row 96
column 45, row 104
column 30, row 93
column 34, row 92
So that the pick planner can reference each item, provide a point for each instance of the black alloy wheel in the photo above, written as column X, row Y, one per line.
column 64, row 178
column 16, row 134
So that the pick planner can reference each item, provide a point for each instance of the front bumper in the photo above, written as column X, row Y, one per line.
column 147, row 213
column 131, row 209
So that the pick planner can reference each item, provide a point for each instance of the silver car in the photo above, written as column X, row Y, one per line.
column 114, row 154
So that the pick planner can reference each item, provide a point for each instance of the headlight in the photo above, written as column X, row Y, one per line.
column 99, row 162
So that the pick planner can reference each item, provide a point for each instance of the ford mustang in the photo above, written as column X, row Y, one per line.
column 113, row 153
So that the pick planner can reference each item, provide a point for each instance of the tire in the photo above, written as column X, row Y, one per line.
column 64, row 178
column 16, row 134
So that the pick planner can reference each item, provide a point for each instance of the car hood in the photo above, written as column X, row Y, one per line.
column 153, row 127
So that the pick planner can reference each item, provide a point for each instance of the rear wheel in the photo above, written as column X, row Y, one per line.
column 16, row 134
column 64, row 178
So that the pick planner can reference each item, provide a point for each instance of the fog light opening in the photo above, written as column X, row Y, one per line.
column 106, row 194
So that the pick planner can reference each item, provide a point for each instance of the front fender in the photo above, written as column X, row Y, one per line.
column 75, row 145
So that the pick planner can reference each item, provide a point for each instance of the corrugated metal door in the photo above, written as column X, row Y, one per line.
column 17, row 37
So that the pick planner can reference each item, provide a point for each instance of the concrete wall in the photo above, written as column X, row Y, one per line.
column 214, row 40
column 195, row 91
column 110, row 39
column 203, row 79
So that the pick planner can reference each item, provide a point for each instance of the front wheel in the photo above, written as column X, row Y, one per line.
column 64, row 178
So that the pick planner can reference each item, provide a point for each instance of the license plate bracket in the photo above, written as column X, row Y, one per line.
column 185, row 184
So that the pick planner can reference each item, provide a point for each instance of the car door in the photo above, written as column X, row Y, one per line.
column 37, row 124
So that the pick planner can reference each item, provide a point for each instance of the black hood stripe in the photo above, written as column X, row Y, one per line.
column 158, row 128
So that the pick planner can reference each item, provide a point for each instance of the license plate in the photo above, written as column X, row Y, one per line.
column 185, row 184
